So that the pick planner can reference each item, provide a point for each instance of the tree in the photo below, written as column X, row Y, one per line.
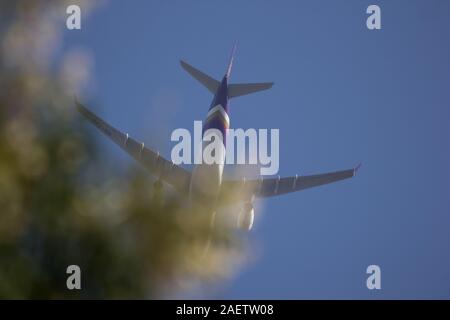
column 59, row 208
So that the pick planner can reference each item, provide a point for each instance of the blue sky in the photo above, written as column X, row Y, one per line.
column 342, row 95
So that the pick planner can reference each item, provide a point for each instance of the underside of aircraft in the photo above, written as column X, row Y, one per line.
column 229, row 191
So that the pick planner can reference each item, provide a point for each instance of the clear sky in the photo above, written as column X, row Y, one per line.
column 342, row 95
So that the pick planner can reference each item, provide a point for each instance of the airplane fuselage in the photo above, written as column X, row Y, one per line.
column 207, row 178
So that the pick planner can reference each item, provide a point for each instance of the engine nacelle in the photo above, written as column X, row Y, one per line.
column 246, row 217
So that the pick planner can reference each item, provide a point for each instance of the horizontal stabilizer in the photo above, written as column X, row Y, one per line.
column 241, row 89
column 210, row 83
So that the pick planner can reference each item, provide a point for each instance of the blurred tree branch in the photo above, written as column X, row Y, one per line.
column 57, row 208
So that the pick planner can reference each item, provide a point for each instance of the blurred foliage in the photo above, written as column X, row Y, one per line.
column 59, row 208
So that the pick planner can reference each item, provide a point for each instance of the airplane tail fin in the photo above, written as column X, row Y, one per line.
column 234, row 90
column 210, row 83
column 241, row 89
column 230, row 64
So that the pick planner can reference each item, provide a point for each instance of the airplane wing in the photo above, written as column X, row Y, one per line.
column 165, row 170
column 244, row 190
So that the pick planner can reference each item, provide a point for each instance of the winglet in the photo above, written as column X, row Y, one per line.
column 356, row 168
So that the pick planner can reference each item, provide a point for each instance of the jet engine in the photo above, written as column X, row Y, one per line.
column 246, row 217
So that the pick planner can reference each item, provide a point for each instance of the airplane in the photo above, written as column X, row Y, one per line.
column 205, row 184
